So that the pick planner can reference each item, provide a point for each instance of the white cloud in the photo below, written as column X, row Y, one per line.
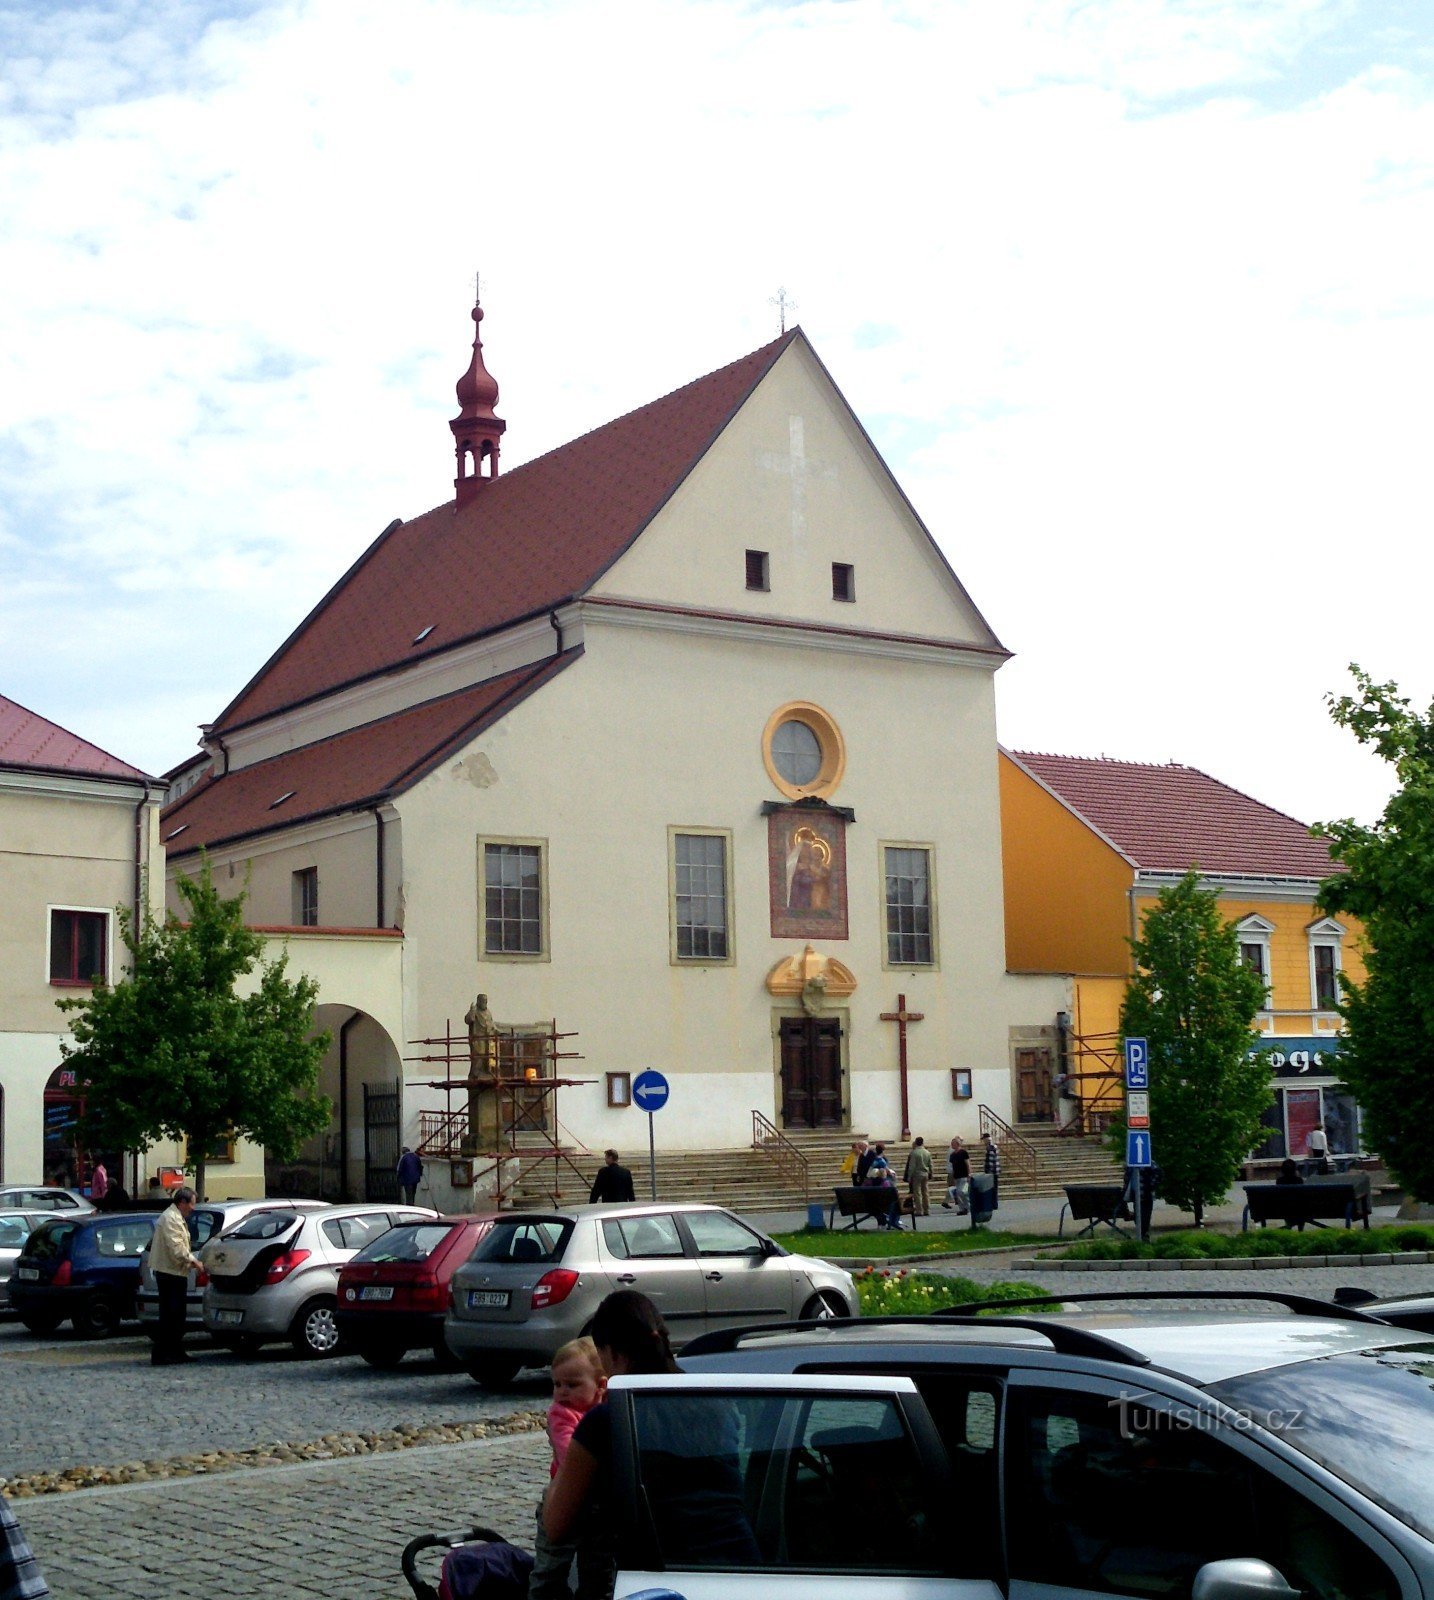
column 1150, row 278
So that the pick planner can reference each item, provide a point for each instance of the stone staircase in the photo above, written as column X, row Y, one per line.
column 754, row 1180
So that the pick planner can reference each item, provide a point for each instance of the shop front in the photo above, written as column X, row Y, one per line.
column 1309, row 1097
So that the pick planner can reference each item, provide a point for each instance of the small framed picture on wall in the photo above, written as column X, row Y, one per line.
column 460, row 1174
column 960, row 1083
column 619, row 1089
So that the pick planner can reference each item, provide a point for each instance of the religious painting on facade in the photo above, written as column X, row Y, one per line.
column 806, row 864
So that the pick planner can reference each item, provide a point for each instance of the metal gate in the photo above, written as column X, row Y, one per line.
column 381, row 1108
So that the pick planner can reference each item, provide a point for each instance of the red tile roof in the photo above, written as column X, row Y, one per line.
column 529, row 540
column 349, row 771
column 30, row 740
column 1172, row 818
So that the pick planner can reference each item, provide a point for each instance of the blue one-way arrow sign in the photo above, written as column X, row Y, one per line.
column 1137, row 1149
column 650, row 1091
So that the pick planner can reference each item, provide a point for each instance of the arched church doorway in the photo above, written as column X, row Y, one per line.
column 361, row 1076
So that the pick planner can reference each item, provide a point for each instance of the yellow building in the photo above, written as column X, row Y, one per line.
column 1088, row 844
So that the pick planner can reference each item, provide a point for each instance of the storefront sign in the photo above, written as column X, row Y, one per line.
column 1295, row 1057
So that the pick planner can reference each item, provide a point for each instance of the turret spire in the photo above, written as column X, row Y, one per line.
column 476, row 429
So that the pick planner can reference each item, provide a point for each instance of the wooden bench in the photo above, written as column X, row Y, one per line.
column 858, row 1203
column 1093, row 1204
column 1319, row 1200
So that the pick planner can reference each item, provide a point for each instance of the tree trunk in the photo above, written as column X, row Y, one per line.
column 199, row 1167
column 1199, row 1213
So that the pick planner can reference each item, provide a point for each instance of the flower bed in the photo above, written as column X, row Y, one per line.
column 899, row 1291
column 1193, row 1246
column 845, row 1242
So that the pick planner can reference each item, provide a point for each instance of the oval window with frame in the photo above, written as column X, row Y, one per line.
column 803, row 751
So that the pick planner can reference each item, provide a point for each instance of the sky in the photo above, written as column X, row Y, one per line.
column 1136, row 298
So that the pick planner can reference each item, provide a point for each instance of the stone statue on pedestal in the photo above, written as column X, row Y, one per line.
column 483, row 1116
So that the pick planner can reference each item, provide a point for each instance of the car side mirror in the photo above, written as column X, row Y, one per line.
column 1242, row 1579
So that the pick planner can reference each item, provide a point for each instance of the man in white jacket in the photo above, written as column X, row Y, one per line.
column 170, row 1260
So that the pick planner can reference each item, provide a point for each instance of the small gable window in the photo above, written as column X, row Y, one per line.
column 758, row 570
column 843, row 581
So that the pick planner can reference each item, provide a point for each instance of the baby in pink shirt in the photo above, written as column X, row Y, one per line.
column 578, row 1385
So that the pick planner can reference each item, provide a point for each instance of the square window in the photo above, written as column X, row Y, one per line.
column 699, row 883
column 79, row 946
column 306, row 898
column 908, row 907
column 843, row 581
column 513, row 899
column 758, row 570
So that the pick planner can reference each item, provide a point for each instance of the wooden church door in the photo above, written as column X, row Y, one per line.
column 1035, row 1101
column 811, row 1072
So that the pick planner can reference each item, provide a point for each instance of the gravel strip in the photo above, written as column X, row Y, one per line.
column 331, row 1447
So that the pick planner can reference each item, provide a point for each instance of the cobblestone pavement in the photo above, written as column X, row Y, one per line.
column 332, row 1529
column 68, row 1402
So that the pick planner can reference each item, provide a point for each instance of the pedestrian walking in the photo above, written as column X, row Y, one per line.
column 410, row 1170
column 613, row 1182
column 99, row 1184
column 918, row 1177
column 958, row 1178
column 991, row 1165
column 171, row 1259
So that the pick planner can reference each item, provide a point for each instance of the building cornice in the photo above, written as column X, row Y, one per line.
column 1234, row 885
column 58, row 785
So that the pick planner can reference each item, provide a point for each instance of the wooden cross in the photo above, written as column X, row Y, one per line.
column 901, row 1016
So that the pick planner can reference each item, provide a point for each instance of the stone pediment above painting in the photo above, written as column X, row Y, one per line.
column 812, row 978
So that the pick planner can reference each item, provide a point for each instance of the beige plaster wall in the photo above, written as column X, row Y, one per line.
column 652, row 729
column 793, row 475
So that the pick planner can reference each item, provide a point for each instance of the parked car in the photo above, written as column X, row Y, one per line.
column 276, row 1275
column 1414, row 1311
column 537, row 1278
column 15, row 1228
column 206, row 1222
column 83, row 1269
column 393, row 1295
column 41, row 1197
column 1231, row 1454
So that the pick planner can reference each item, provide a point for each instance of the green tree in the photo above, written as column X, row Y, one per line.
column 1194, row 1001
column 172, row 1051
column 1388, row 883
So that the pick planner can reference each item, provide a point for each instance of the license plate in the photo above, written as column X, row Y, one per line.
column 375, row 1291
column 487, row 1297
column 27, row 1272
column 228, row 1319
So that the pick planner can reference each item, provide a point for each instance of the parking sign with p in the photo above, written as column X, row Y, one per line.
column 1137, row 1064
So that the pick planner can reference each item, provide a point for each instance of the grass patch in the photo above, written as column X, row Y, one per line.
column 902, row 1292
column 881, row 1242
column 1191, row 1245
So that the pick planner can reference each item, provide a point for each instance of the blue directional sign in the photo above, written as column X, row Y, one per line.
column 650, row 1091
column 1137, row 1150
column 1137, row 1064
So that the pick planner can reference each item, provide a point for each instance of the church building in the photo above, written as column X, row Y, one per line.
column 678, row 743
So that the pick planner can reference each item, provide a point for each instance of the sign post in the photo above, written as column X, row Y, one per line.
column 1138, row 1154
column 650, row 1091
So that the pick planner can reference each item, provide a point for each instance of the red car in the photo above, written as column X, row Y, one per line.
column 393, row 1295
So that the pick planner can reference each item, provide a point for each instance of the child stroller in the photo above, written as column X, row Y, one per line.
column 477, row 1565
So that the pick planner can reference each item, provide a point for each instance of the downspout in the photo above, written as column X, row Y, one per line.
column 139, row 910
column 378, row 866
column 344, row 1194
column 557, row 628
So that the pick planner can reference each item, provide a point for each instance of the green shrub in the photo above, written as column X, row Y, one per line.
column 900, row 1292
column 1413, row 1238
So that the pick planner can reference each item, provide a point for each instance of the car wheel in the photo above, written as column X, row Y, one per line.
column 315, row 1333
column 41, row 1322
column 494, row 1372
column 97, row 1318
column 824, row 1308
column 382, row 1355
column 241, row 1344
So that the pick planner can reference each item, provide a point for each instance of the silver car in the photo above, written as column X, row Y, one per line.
column 15, row 1228
column 43, row 1197
column 276, row 1275
column 538, row 1277
column 206, row 1222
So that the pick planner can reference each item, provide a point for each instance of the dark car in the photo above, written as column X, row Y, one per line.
column 1415, row 1311
column 393, row 1295
column 81, row 1269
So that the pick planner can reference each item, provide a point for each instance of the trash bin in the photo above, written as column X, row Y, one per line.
column 816, row 1217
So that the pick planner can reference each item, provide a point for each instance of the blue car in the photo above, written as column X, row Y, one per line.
column 84, row 1270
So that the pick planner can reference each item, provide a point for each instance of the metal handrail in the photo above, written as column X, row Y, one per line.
column 1010, row 1144
column 768, row 1139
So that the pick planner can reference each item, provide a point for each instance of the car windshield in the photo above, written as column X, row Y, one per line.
column 414, row 1243
column 265, row 1225
column 1368, row 1417
column 525, row 1239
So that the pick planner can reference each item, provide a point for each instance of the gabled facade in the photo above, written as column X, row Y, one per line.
column 79, row 832
column 680, row 738
column 1087, row 846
